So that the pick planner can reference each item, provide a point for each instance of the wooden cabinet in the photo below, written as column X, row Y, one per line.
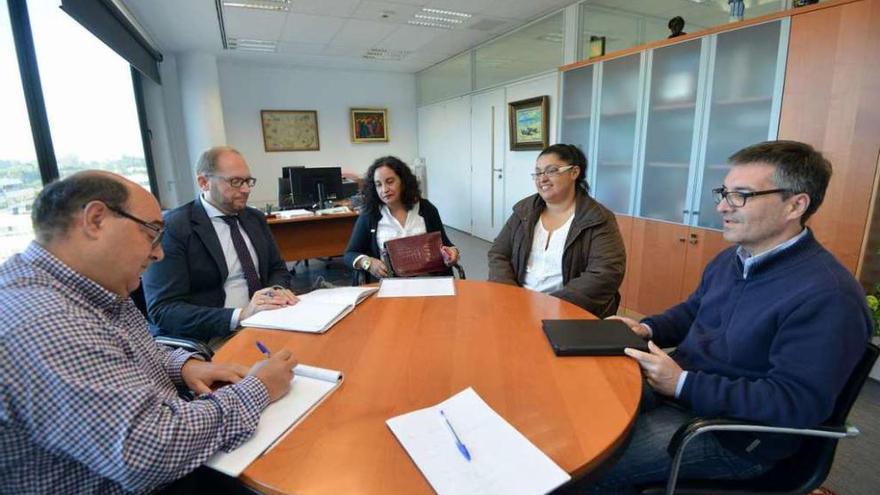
column 832, row 101
column 664, row 262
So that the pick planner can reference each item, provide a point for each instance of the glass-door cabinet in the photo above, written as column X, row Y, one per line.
column 576, row 114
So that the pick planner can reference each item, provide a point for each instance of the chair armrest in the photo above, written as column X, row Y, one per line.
column 460, row 271
column 187, row 344
column 698, row 426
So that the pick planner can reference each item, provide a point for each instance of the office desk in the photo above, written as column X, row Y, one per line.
column 312, row 237
column 403, row 354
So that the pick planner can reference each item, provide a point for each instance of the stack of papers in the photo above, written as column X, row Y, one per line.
column 502, row 460
column 416, row 287
column 285, row 214
column 310, row 386
column 316, row 312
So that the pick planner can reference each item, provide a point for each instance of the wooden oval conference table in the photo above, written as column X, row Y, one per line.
column 402, row 354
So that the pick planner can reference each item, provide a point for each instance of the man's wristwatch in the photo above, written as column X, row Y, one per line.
column 365, row 264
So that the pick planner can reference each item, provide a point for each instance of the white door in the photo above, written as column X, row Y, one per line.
column 488, row 126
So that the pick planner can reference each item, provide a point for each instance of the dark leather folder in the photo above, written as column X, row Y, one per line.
column 591, row 337
column 416, row 255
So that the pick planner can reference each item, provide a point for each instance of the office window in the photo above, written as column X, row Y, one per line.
column 531, row 50
column 19, row 173
column 89, row 97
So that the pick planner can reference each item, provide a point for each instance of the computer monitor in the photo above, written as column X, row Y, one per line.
column 309, row 186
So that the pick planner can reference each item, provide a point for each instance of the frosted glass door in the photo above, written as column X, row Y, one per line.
column 745, row 89
column 669, row 136
column 618, row 119
column 577, row 105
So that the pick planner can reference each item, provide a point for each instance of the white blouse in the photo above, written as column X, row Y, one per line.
column 389, row 228
column 544, row 269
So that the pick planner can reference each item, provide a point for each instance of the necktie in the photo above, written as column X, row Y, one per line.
column 244, row 256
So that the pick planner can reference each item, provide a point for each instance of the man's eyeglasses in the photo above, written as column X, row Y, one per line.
column 737, row 199
column 551, row 171
column 157, row 230
column 236, row 182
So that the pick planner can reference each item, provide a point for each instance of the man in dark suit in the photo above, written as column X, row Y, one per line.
column 221, row 263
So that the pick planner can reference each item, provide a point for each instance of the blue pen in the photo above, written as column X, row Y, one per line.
column 263, row 348
column 458, row 442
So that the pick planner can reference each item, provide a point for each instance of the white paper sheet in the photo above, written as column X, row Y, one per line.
column 416, row 287
column 503, row 461
column 309, row 386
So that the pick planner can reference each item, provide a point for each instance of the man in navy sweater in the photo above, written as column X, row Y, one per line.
column 771, row 334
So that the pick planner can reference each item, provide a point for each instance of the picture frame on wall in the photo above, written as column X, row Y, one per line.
column 529, row 123
column 290, row 130
column 369, row 125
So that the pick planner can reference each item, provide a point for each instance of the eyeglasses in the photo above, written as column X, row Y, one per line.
column 236, row 182
column 551, row 171
column 737, row 199
column 158, row 231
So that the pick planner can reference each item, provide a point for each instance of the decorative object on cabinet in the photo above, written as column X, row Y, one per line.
column 803, row 3
column 290, row 130
column 597, row 46
column 529, row 123
column 737, row 10
column 676, row 26
column 369, row 125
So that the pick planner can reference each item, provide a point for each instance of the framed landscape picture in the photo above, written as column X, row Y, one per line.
column 529, row 123
column 369, row 125
column 290, row 130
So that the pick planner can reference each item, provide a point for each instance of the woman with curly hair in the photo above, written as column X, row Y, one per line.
column 393, row 208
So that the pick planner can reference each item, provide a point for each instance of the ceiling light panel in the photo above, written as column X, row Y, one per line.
column 446, row 13
column 386, row 54
column 252, row 45
column 276, row 5
column 437, row 18
column 429, row 24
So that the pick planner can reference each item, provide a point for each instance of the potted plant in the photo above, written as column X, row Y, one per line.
column 874, row 306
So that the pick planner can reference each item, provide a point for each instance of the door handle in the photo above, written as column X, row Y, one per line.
column 499, row 170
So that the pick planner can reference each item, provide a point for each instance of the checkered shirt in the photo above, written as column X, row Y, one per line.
column 88, row 402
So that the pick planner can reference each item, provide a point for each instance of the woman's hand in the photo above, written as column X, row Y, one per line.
column 450, row 255
column 378, row 268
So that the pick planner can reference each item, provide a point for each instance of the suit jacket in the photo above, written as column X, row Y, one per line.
column 184, row 291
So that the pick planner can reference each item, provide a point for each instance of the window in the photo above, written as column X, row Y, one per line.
column 19, row 173
column 90, row 105
column 530, row 50
column 89, row 97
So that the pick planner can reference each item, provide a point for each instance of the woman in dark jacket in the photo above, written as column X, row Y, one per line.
column 561, row 241
column 393, row 208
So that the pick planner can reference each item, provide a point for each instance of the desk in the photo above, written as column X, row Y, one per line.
column 408, row 353
column 317, row 236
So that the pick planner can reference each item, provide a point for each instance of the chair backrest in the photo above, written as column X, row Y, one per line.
column 810, row 466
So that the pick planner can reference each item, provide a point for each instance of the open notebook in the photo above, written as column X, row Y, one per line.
column 316, row 312
column 310, row 386
column 499, row 460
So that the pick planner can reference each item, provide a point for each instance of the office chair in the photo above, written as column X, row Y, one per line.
column 798, row 474
column 137, row 297
column 359, row 277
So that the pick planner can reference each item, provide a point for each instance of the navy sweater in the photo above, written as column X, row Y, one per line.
column 776, row 348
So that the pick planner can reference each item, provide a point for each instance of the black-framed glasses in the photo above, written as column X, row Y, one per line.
column 551, row 171
column 157, row 230
column 236, row 182
column 737, row 199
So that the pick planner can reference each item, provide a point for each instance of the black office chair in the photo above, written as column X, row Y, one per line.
column 798, row 474
column 195, row 346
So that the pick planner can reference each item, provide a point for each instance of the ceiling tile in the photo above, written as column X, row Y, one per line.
column 301, row 48
column 311, row 28
column 363, row 33
column 334, row 8
column 409, row 38
column 395, row 13
column 253, row 24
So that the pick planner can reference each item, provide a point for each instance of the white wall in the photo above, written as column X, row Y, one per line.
column 246, row 89
column 519, row 164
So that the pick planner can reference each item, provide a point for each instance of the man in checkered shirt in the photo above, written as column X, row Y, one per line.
column 88, row 402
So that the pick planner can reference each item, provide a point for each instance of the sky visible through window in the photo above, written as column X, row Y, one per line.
column 91, row 110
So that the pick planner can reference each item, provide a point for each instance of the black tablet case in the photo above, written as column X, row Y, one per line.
column 591, row 337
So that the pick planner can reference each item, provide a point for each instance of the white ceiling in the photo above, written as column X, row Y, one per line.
column 338, row 33
column 333, row 33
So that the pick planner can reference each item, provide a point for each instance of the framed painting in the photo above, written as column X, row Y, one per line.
column 369, row 125
column 529, row 123
column 290, row 130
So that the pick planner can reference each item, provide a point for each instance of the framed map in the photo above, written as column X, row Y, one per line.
column 290, row 130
